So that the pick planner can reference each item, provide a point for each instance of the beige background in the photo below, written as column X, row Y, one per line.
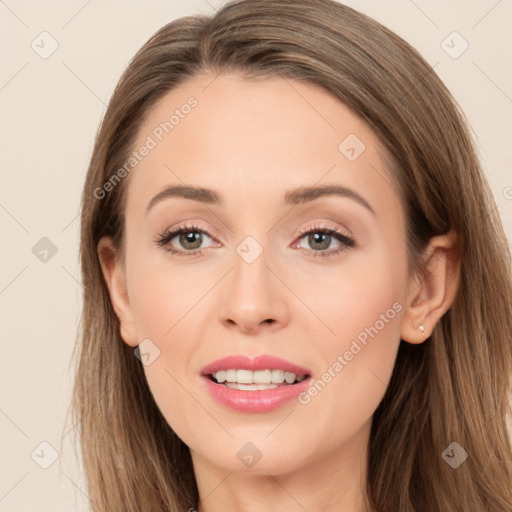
column 50, row 111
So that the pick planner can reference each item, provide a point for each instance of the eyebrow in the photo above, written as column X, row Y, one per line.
column 292, row 197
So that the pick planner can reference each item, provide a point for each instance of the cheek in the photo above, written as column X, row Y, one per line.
column 167, row 310
column 346, row 324
column 352, row 295
column 164, row 294
column 363, row 312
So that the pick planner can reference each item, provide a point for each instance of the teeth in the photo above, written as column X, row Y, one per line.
column 289, row 377
column 259, row 377
column 220, row 376
column 250, row 387
column 277, row 376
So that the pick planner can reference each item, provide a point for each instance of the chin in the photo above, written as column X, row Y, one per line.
column 257, row 456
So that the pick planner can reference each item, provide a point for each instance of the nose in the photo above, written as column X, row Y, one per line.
column 254, row 297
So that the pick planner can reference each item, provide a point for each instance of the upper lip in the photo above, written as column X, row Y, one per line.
column 263, row 362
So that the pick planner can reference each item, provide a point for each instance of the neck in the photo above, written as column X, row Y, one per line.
column 334, row 482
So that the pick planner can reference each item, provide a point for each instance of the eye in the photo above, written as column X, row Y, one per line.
column 189, row 237
column 320, row 238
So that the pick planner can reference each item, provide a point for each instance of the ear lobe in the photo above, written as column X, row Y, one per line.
column 115, row 278
column 432, row 293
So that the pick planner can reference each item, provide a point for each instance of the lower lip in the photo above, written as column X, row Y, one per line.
column 263, row 400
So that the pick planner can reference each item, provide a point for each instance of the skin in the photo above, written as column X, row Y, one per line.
column 251, row 141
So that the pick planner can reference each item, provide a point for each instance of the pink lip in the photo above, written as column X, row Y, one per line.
column 254, row 401
column 263, row 362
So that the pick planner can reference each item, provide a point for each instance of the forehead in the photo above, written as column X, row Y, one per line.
column 250, row 136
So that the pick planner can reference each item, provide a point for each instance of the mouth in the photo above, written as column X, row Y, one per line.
column 255, row 384
column 259, row 380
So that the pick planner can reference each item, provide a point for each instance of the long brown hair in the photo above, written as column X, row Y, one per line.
column 455, row 387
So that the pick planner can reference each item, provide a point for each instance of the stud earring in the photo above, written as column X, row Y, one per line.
column 422, row 329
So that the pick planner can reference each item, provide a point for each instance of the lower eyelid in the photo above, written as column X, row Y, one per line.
column 335, row 233
column 327, row 252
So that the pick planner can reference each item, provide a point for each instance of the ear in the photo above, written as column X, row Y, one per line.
column 115, row 277
column 432, row 293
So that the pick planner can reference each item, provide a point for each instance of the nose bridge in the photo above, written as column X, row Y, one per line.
column 254, row 295
column 250, row 281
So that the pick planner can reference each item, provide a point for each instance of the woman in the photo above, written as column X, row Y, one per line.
column 297, row 290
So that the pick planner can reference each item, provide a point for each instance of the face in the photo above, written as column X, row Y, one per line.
column 264, row 268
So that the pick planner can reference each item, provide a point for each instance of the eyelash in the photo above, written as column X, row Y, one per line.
column 164, row 239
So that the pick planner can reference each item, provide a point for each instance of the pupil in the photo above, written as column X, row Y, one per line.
column 190, row 238
column 317, row 237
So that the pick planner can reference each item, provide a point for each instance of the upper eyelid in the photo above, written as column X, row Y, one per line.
column 317, row 226
column 302, row 231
